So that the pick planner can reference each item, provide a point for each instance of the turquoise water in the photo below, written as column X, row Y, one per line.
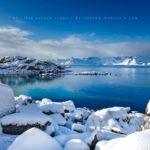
column 131, row 87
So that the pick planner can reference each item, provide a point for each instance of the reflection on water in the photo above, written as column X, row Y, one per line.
column 132, row 88
column 21, row 80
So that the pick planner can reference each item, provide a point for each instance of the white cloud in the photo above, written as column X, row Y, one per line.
column 14, row 41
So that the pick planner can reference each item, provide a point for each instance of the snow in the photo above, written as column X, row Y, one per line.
column 52, row 107
column 135, row 141
column 133, row 62
column 69, row 105
column 35, row 139
column 78, row 127
column 62, row 130
column 124, row 62
column 23, row 100
column 107, row 135
column 7, row 104
column 6, row 141
column 128, row 62
column 25, row 118
column 49, row 107
column 116, row 119
column 76, row 144
column 79, row 115
column 50, row 130
column 58, row 119
column 64, row 138
column 85, row 112
column 45, row 101
column 148, row 108
column 27, row 108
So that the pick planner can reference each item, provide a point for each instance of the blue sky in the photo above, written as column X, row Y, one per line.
column 128, row 35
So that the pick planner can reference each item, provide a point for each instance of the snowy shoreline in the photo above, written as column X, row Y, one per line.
column 62, row 126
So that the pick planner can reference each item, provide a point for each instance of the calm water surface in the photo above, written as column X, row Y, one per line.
column 130, row 88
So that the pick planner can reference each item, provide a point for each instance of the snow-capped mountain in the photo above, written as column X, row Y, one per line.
column 96, row 61
column 79, row 61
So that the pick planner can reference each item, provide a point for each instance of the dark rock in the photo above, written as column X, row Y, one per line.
column 16, row 130
column 93, row 144
column 32, row 68
column 28, row 61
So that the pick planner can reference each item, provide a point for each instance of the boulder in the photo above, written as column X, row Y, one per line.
column 51, row 108
column 135, row 141
column 116, row 119
column 18, row 123
column 35, row 139
column 147, row 111
column 7, row 103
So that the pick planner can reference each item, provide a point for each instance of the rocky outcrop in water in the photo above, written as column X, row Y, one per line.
column 25, row 65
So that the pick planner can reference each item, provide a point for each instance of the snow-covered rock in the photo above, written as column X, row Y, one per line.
column 80, row 115
column 107, row 135
column 58, row 119
column 148, row 108
column 23, row 100
column 49, row 107
column 50, row 130
column 135, row 141
column 27, row 108
column 78, row 127
column 25, row 118
column 45, row 101
column 26, row 66
column 76, row 144
column 85, row 112
column 116, row 119
column 76, row 116
column 62, row 130
column 64, row 138
column 146, row 124
column 69, row 106
column 7, row 104
column 35, row 139
column 52, row 107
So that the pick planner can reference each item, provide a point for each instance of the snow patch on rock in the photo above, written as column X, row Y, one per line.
column 26, row 118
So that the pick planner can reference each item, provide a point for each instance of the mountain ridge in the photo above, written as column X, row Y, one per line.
column 97, row 61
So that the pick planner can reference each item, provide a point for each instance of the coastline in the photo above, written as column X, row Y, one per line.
column 63, row 122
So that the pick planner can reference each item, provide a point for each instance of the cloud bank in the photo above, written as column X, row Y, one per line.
column 15, row 41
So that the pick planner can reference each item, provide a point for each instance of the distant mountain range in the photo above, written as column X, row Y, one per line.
column 96, row 61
